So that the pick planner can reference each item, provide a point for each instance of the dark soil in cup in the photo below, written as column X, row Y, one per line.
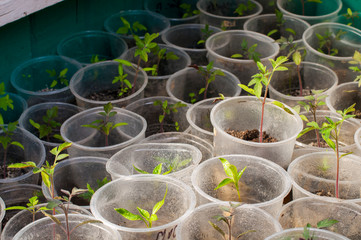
column 77, row 200
column 251, row 135
column 324, row 193
column 10, row 213
column 107, row 95
column 323, row 144
column 12, row 172
column 226, row 9
column 357, row 113
column 296, row 92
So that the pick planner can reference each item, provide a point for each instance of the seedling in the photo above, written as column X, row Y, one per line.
column 5, row 102
column 31, row 207
column 6, row 141
column 356, row 62
column 61, row 77
column 104, row 125
column 233, row 174
column 227, row 218
column 350, row 15
column 128, row 29
column 48, row 126
column 306, row 235
column 242, row 9
column 297, row 59
column 157, row 170
column 188, row 11
column 307, row 1
column 144, row 215
column 206, row 34
column 95, row 59
column 161, row 55
column 264, row 77
column 325, row 42
column 89, row 194
column 248, row 53
column 330, row 132
column 124, row 84
column 167, row 109
column 314, row 101
column 209, row 74
column 279, row 23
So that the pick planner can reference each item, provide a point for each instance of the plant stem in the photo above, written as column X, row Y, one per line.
column 136, row 75
column 303, row 7
column 161, row 130
column 299, row 79
column 337, row 166
column 316, row 131
column 206, row 88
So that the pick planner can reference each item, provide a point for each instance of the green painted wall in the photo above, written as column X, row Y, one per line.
column 38, row 34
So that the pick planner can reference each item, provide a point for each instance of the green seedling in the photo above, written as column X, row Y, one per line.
column 5, row 102
column 280, row 21
column 144, row 215
column 128, row 29
column 209, row 74
column 64, row 203
column 306, row 235
column 248, row 53
column 350, row 15
column 242, row 9
column 167, row 109
column 31, row 207
column 206, row 33
column 356, row 62
column 104, row 125
column 89, row 194
column 6, row 141
column 263, row 78
column 161, row 54
column 233, row 174
column 49, row 125
column 124, row 84
column 157, row 170
column 297, row 59
column 95, row 59
column 330, row 132
column 59, row 78
column 188, row 11
column 227, row 218
column 308, row 1
column 314, row 101
column 325, row 42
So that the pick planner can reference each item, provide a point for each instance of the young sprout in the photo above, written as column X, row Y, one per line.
column 314, row 101
column 128, row 29
column 264, row 77
column 89, row 194
column 321, row 224
column 144, row 215
column 157, row 170
column 188, row 11
column 166, row 110
column 104, row 125
column 279, row 23
column 61, row 77
column 31, row 207
column 242, row 8
column 95, row 59
column 357, row 66
column 5, row 101
column 209, row 74
column 161, row 54
column 325, row 42
column 330, row 132
column 125, row 85
column 6, row 141
column 206, row 33
column 233, row 174
column 246, row 52
column 350, row 15
column 49, row 124
column 297, row 59
column 305, row 1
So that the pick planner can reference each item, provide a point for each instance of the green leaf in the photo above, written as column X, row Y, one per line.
column 272, row 32
column 46, row 179
column 290, row 30
column 326, row 223
column 15, row 208
column 17, row 144
column 158, row 169
column 237, row 55
column 217, row 228
column 159, row 204
column 128, row 215
column 144, row 213
column 223, row 183
column 140, row 170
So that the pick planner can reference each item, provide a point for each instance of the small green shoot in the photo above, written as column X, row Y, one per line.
column 356, row 62
column 144, row 215
column 248, row 53
column 104, row 125
column 227, row 218
column 350, row 15
column 167, row 109
column 128, row 29
column 124, row 83
column 6, row 141
column 61, row 77
column 5, row 101
column 325, row 42
column 321, row 224
column 188, row 11
column 233, row 174
column 95, row 59
column 279, row 23
column 49, row 125
column 330, row 132
column 89, row 194
column 206, row 33
column 157, row 170
column 242, row 9
column 161, row 54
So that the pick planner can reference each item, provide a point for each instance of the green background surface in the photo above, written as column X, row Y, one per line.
column 39, row 33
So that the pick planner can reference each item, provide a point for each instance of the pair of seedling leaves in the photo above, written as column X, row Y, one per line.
column 5, row 101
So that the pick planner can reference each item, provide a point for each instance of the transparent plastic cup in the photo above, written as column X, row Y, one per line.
column 90, row 142
column 245, row 217
column 179, row 158
column 181, row 137
column 299, row 212
column 348, row 41
column 154, row 22
column 263, row 184
column 45, row 229
column 189, row 80
column 157, row 84
column 171, row 11
column 98, row 77
column 13, row 115
column 244, row 113
column 314, row 77
column 314, row 12
column 144, row 191
column 2, row 212
column 314, row 174
column 296, row 233
column 145, row 107
column 85, row 46
column 353, row 22
column 186, row 38
column 33, row 81
column 223, row 15
column 221, row 46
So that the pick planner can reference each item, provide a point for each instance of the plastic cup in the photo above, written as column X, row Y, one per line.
column 13, row 115
column 296, row 233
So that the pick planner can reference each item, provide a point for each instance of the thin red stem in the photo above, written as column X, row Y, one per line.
column 337, row 168
column 299, row 80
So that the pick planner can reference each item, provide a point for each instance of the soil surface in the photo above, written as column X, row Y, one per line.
column 12, row 172
column 324, row 193
column 296, row 92
column 107, row 95
column 357, row 113
column 323, row 144
column 251, row 135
